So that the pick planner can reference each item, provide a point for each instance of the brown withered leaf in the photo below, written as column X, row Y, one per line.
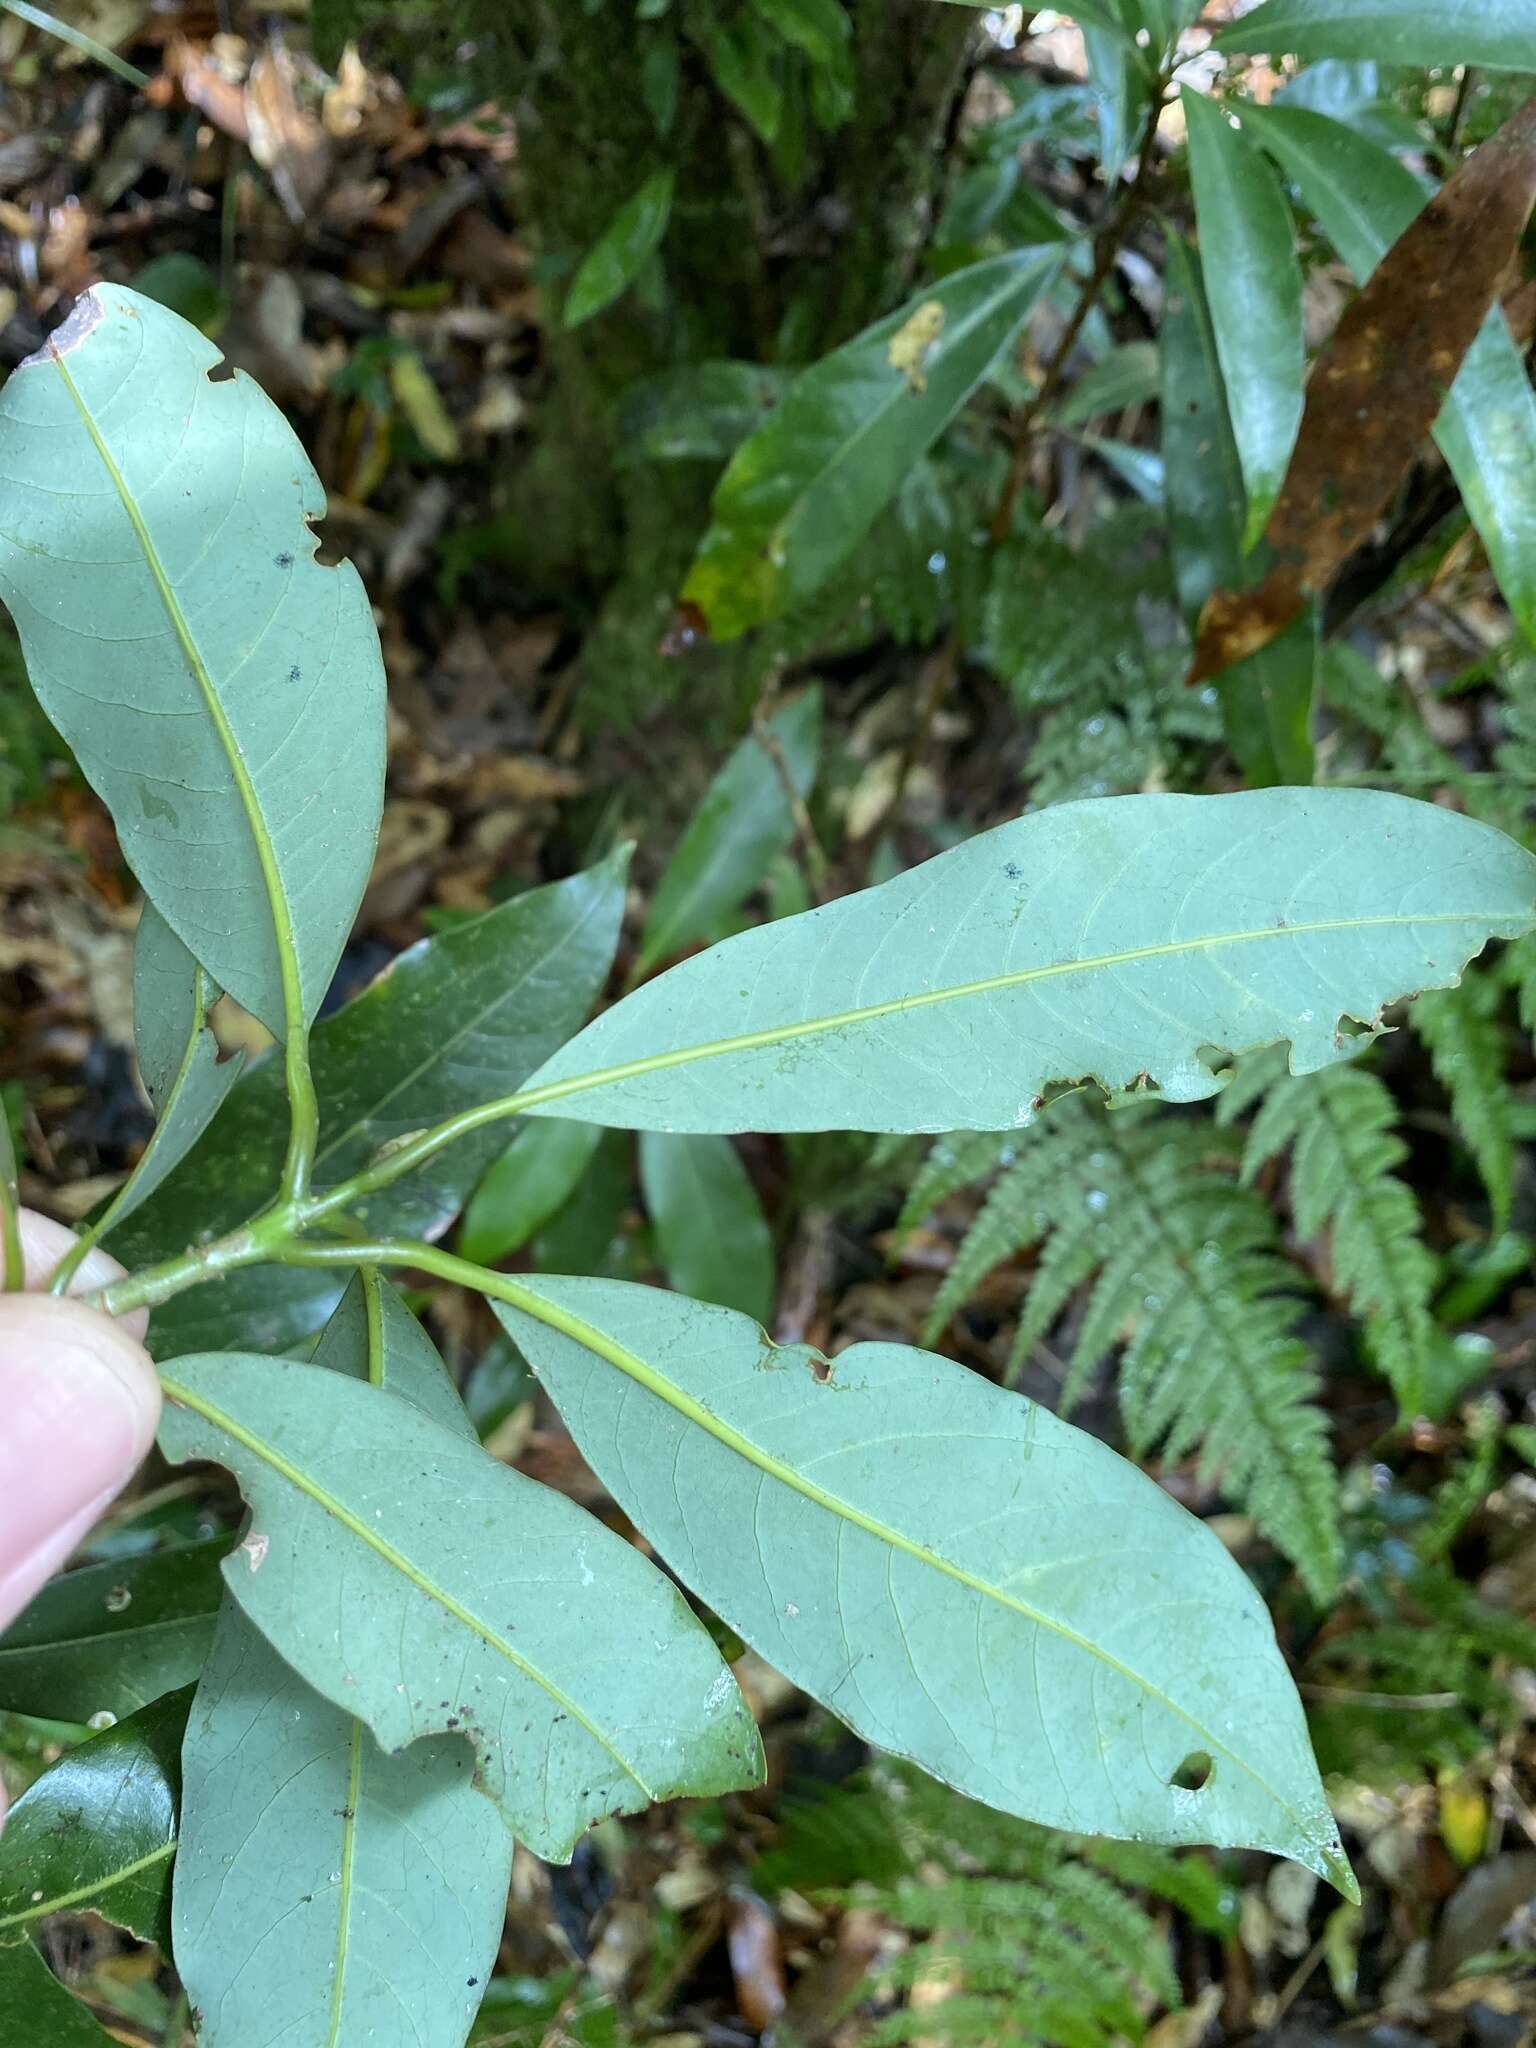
column 1376, row 389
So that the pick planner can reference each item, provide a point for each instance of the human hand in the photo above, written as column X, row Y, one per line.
column 79, row 1401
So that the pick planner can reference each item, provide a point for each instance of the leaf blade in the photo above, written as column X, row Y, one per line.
column 1116, row 937
column 702, row 1385
column 802, row 489
column 1498, row 34
column 190, row 761
column 1253, row 281
column 319, row 1457
column 621, row 251
column 711, row 1232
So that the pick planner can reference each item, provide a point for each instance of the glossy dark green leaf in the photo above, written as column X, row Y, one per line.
column 804, row 489
column 965, row 1579
column 326, row 1891
column 178, row 1058
column 429, row 1590
column 525, row 1187
column 1117, row 80
column 1202, row 477
column 460, row 1018
column 622, row 251
column 711, row 1234
column 36, row 2009
column 1266, row 706
column 1498, row 34
column 373, row 1336
column 743, row 52
column 1364, row 198
column 109, row 1638
column 97, row 1831
column 1119, row 937
column 240, row 749
column 742, row 822
column 1253, row 286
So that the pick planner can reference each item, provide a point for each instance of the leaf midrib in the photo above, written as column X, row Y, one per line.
column 781, row 1034
column 82, row 1893
column 266, row 853
column 176, row 1390
column 616, row 1354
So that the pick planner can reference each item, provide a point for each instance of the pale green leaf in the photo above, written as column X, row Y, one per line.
column 239, row 742
column 373, row 1336
column 1119, row 938
column 419, row 1584
column 1499, row 34
column 327, row 1892
column 1202, row 475
column 525, row 1187
column 97, row 1831
column 1364, row 198
column 1253, row 282
column 622, row 251
column 459, row 1018
column 805, row 488
column 963, row 1578
column 1128, row 375
column 743, row 820
column 711, row 1233
column 109, row 1638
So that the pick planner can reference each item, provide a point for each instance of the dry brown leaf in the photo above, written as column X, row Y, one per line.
column 286, row 140
column 1376, row 390
column 757, row 1962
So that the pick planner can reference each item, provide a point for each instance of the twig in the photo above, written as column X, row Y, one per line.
column 1107, row 245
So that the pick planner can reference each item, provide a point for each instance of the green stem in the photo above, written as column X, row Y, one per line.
column 303, row 1113
column 77, row 38
column 13, row 1268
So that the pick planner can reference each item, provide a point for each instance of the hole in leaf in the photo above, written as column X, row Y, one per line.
column 1194, row 1774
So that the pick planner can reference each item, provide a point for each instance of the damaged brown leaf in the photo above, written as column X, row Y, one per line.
column 1377, row 388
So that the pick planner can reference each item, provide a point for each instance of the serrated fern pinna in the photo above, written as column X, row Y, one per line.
column 1141, row 1207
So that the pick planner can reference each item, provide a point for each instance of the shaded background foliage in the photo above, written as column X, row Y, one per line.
column 525, row 498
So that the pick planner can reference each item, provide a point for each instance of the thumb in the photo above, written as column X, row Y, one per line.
column 79, row 1402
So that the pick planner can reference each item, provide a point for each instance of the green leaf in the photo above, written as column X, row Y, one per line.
column 804, row 489
column 622, row 251
column 35, row 2007
column 1364, row 198
column 97, row 1831
column 963, row 1578
column 456, row 1019
column 109, row 1638
column 291, row 1916
column 699, row 412
column 1120, row 937
column 711, row 1233
column 1266, row 705
column 742, row 822
column 241, row 752
column 484, row 1603
column 373, row 1336
column 1203, row 477
column 324, row 1889
column 1128, row 375
column 1248, row 250
column 178, row 1057
column 1499, row 34
column 1118, row 85
column 743, row 55
column 525, row 1187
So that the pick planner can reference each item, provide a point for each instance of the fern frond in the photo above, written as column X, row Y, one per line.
column 1461, row 1028
column 1190, row 1280
column 1341, row 1127
column 952, row 1163
column 1022, row 1940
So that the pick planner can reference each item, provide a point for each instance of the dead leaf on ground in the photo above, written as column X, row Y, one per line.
column 1376, row 390
column 286, row 139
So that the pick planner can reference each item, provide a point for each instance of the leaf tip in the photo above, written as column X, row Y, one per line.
column 88, row 312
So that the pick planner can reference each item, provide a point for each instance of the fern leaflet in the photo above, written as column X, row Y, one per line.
column 1189, row 1279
